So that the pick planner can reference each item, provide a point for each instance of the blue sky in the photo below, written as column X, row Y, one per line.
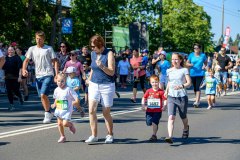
column 231, row 15
column 214, row 9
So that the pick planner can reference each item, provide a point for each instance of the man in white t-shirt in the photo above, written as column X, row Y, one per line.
column 43, row 57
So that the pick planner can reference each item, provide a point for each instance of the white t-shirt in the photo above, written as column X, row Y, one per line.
column 123, row 67
column 176, row 77
column 42, row 58
column 64, row 98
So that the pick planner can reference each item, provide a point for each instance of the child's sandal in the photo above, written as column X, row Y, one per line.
column 185, row 133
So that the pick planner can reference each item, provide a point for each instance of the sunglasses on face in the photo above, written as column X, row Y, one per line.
column 72, row 54
column 62, row 46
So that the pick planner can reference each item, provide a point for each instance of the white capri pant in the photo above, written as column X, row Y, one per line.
column 102, row 93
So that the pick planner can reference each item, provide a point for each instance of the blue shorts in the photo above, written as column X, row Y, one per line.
column 223, row 77
column 153, row 117
column 43, row 85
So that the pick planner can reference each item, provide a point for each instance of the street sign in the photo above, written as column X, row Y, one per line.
column 67, row 25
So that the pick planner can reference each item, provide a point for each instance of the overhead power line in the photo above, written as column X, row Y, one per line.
column 218, row 8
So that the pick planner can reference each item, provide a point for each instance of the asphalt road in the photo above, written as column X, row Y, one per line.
column 214, row 134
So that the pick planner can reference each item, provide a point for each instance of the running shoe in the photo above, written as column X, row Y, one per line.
column 109, row 139
column 153, row 138
column 48, row 117
column 196, row 104
column 133, row 100
column 209, row 107
column 62, row 139
column 91, row 139
column 169, row 140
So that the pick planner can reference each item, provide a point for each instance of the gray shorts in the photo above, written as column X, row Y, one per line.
column 178, row 102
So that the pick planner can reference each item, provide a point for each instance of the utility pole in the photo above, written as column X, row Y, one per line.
column 160, row 17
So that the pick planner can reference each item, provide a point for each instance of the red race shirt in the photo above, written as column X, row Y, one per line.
column 154, row 100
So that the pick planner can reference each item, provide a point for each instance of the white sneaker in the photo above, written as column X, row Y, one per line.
column 48, row 117
column 91, row 139
column 196, row 104
column 109, row 139
column 209, row 107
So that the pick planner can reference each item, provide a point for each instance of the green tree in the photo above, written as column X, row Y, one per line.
column 92, row 17
column 22, row 18
column 185, row 23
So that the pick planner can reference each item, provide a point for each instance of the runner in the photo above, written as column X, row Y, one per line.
column 12, row 68
column 43, row 57
column 135, row 63
column 63, row 55
column 101, row 87
column 156, row 102
column 24, row 79
column 178, row 80
column 65, row 98
column 162, row 67
column 225, row 63
column 123, row 70
column 197, row 61
column 211, row 86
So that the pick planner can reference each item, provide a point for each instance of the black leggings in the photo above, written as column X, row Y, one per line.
column 123, row 79
column 142, row 82
column 196, row 81
column 12, row 86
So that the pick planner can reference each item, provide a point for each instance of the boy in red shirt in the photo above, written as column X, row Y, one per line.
column 154, row 102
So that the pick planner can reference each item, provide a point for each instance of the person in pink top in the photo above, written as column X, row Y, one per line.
column 73, row 62
column 136, row 62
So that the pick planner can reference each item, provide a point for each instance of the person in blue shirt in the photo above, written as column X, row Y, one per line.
column 235, row 78
column 74, row 83
column 162, row 66
column 197, row 61
column 211, row 85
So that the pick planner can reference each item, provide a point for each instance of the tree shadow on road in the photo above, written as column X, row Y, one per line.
column 203, row 140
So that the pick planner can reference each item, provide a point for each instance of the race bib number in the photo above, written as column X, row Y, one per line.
column 153, row 103
column 234, row 78
column 62, row 104
column 209, row 84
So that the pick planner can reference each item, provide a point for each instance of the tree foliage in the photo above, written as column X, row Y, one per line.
column 184, row 22
column 92, row 17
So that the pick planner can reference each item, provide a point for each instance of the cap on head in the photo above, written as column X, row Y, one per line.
column 145, row 51
column 163, row 53
column 71, row 70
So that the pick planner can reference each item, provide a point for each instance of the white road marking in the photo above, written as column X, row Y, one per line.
column 54, row 125
column 99, row 116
